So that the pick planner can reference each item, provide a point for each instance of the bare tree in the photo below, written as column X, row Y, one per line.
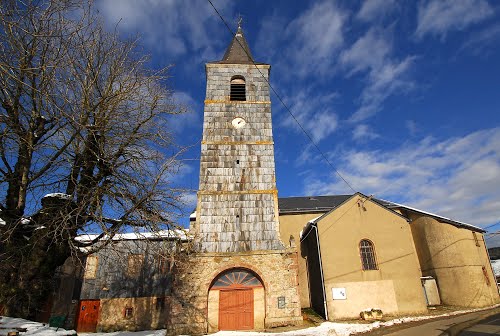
column 83, row 133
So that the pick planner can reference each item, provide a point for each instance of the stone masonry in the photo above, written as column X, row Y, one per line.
column 277, row 269
column 236, row 224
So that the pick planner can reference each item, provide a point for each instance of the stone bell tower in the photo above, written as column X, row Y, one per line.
column 237, row 199
column 238, row 258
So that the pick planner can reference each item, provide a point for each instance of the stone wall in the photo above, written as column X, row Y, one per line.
column 276, row 269
column 148, row 313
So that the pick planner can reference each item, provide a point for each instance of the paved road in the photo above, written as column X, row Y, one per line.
column 488, row 326
column 483, row 323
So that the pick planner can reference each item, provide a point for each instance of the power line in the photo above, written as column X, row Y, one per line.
column 283, row 103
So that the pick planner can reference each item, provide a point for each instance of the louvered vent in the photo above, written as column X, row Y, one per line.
column 238, row 92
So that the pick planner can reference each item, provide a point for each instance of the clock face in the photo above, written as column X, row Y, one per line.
column 238, row 122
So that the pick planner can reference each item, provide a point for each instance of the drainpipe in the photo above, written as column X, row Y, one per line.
column 321, row 272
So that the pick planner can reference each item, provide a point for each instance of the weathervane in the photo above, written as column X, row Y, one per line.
column 240, row 20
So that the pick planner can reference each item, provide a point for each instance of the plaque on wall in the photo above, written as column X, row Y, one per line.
column 339, row 294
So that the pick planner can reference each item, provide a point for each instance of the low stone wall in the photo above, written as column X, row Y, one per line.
column 147, row 313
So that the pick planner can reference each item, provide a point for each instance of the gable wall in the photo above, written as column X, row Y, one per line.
column 395, row 287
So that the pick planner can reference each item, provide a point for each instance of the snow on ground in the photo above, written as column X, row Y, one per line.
column 495, row 264
column 325, row 329
column 33, row 328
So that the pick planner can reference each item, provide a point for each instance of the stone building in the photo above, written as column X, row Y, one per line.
column 241, row 276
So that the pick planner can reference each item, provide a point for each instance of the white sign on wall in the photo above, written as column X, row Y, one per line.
column 339, row 294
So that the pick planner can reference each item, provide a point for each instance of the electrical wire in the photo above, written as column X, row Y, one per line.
column 283, row 103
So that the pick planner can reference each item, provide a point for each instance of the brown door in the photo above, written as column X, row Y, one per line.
column 236, row 309
column 88, row 313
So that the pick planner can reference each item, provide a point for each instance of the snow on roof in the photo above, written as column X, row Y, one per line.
column 449, row 220
column 312, row 221
column 59, row 195
column 173, row 234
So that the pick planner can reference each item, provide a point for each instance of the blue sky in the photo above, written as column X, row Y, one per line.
column 403, row 97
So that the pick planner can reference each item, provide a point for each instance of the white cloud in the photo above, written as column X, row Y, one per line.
column 363, row 133
column 438, row 17
column 171, row 27
column 314, row 113
column 189, row 200
column 411, row 126
column 316, row 37
column 373, row 9
column 456, row 178
column 371, row 54
column 479, row 43
column 190, row 118
column 370, row 51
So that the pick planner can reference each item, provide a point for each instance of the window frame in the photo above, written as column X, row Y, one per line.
column 372, row 264
column 87, row 273
column 164, row 264
column 134, row 270
column 128, row 312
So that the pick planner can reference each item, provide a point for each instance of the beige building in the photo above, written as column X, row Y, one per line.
column 360, row 253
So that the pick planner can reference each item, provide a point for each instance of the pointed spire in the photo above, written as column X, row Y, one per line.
column 238, row 51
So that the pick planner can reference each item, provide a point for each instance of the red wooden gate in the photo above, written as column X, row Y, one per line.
column 88, row 314
column 236, row 309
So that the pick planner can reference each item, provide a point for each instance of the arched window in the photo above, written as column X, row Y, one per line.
column 236, row 278
column 238, row 92
column 367, row 253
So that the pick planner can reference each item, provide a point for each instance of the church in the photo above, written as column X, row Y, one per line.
column 252, row 261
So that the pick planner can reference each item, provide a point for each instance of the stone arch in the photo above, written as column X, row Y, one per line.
column 236, row 300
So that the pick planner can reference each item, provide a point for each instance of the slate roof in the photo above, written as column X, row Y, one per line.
column 310, row 203
column 238, row 51
column 393, row 205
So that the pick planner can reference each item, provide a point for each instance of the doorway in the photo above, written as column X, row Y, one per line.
column 88, row 315
column 236, row 301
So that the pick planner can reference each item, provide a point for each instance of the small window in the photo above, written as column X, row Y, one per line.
column 128, row 313
column 238, row 91
column 476, row 240
column 135, row 264
column 367, row 253
column 90, row 267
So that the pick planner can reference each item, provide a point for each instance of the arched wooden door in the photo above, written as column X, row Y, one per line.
column 236, row 299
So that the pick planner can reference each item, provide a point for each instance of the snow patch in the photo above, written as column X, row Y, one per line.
column 495, row 264
column 33, row 328
column 59, row 195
